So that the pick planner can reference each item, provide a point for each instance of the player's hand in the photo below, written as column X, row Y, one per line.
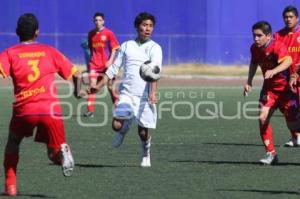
column 293, row 83
column 247, row 89
column 153, row 98
column 108, row 63
column 270, row 73
column 80, row 94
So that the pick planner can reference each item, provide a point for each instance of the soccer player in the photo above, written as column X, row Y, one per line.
column 137, row 97
column 32, row 67
column 290, row 35
column 273, row 58
column 103, row 45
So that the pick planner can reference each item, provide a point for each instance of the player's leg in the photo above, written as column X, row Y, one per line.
column 289, row 106
column 122, row 119
column 121, row 127
column 112, row 91
column 145, row 144
column 267, row 135
column 19, row 127
column 91, row 97
column 50, row 130
column 147, row 118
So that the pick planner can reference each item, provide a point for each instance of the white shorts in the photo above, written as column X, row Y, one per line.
column 137, row 108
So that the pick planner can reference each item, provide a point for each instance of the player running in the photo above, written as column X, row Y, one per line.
column 103, row 45
column 137, row 97
column 290, row 36
column 32, row 67
column 273, row 58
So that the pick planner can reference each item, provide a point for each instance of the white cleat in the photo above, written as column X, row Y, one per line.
column 269, row 159
column 293, row 142
column 146, row 161
column 67, row 160
column 118, row 140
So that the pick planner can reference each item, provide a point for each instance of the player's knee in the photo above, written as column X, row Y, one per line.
column 143, row 133
column 54, row 155
column 117, row 125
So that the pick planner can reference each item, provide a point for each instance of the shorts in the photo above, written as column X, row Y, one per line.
column 287, row 101
column 137, row 108
column 49, row 130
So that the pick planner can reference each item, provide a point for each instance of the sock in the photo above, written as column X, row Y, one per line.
column 267, row 137
column 146, row 147
column 10, row 167
column 91, row 100
column 55, row 156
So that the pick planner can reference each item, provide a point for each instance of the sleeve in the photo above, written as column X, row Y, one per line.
column 4, row 64
column 156, row 55
column 118, row 62
column 114, row 44
column 63, row 66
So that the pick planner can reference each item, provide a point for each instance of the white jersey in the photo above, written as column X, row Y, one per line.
column 131, row 56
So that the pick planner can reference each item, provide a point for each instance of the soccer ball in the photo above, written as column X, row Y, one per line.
column 149, row 71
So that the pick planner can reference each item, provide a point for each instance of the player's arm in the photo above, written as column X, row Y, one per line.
column 284, row 64
column 77, row 80
column 112, row 57
column 99, row 85
column 251, row 73
column 153, row 93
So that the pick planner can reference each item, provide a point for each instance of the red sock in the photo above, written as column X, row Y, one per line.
column 267, row 137
column 10, row 167
column 55, row 156
column 91, row 100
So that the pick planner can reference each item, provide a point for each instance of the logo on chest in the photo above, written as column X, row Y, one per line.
column 103, row 38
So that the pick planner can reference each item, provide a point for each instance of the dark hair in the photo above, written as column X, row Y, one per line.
column 27, row 25
column 99, row 14
column 142, row 17
column 290, row 8
column 264, row 26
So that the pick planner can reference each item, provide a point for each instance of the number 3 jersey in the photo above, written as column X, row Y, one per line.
column 32, row 67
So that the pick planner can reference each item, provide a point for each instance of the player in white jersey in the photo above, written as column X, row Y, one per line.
column 137, row 97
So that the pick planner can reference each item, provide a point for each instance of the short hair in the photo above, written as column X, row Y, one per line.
column 27, row 25
column 290, row 8
column 98, row 14
column 264, row 26
column 142, row 17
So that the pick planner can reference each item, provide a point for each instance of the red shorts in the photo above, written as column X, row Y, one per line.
column 49, row 130
column 286, row 101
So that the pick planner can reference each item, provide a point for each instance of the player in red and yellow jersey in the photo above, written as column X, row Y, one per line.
column 290, row 35
column 103, row 45
column 273, row 58
column 32, row 67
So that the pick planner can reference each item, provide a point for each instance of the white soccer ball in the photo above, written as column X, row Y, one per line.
column 150, row 71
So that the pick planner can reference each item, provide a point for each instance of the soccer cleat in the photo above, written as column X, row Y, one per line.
column 293, row 142
column 10, row 190
column 146, row 162
column 88, row 114
column 118, row 140
column 269, row 159
column 67, row 160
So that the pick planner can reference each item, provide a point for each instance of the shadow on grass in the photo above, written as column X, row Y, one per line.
column 102, row 165
column 236, row 144
column 261, row 191
column 29, row 195
column 235, row 162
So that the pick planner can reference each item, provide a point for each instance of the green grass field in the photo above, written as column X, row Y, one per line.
column 196, row 153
